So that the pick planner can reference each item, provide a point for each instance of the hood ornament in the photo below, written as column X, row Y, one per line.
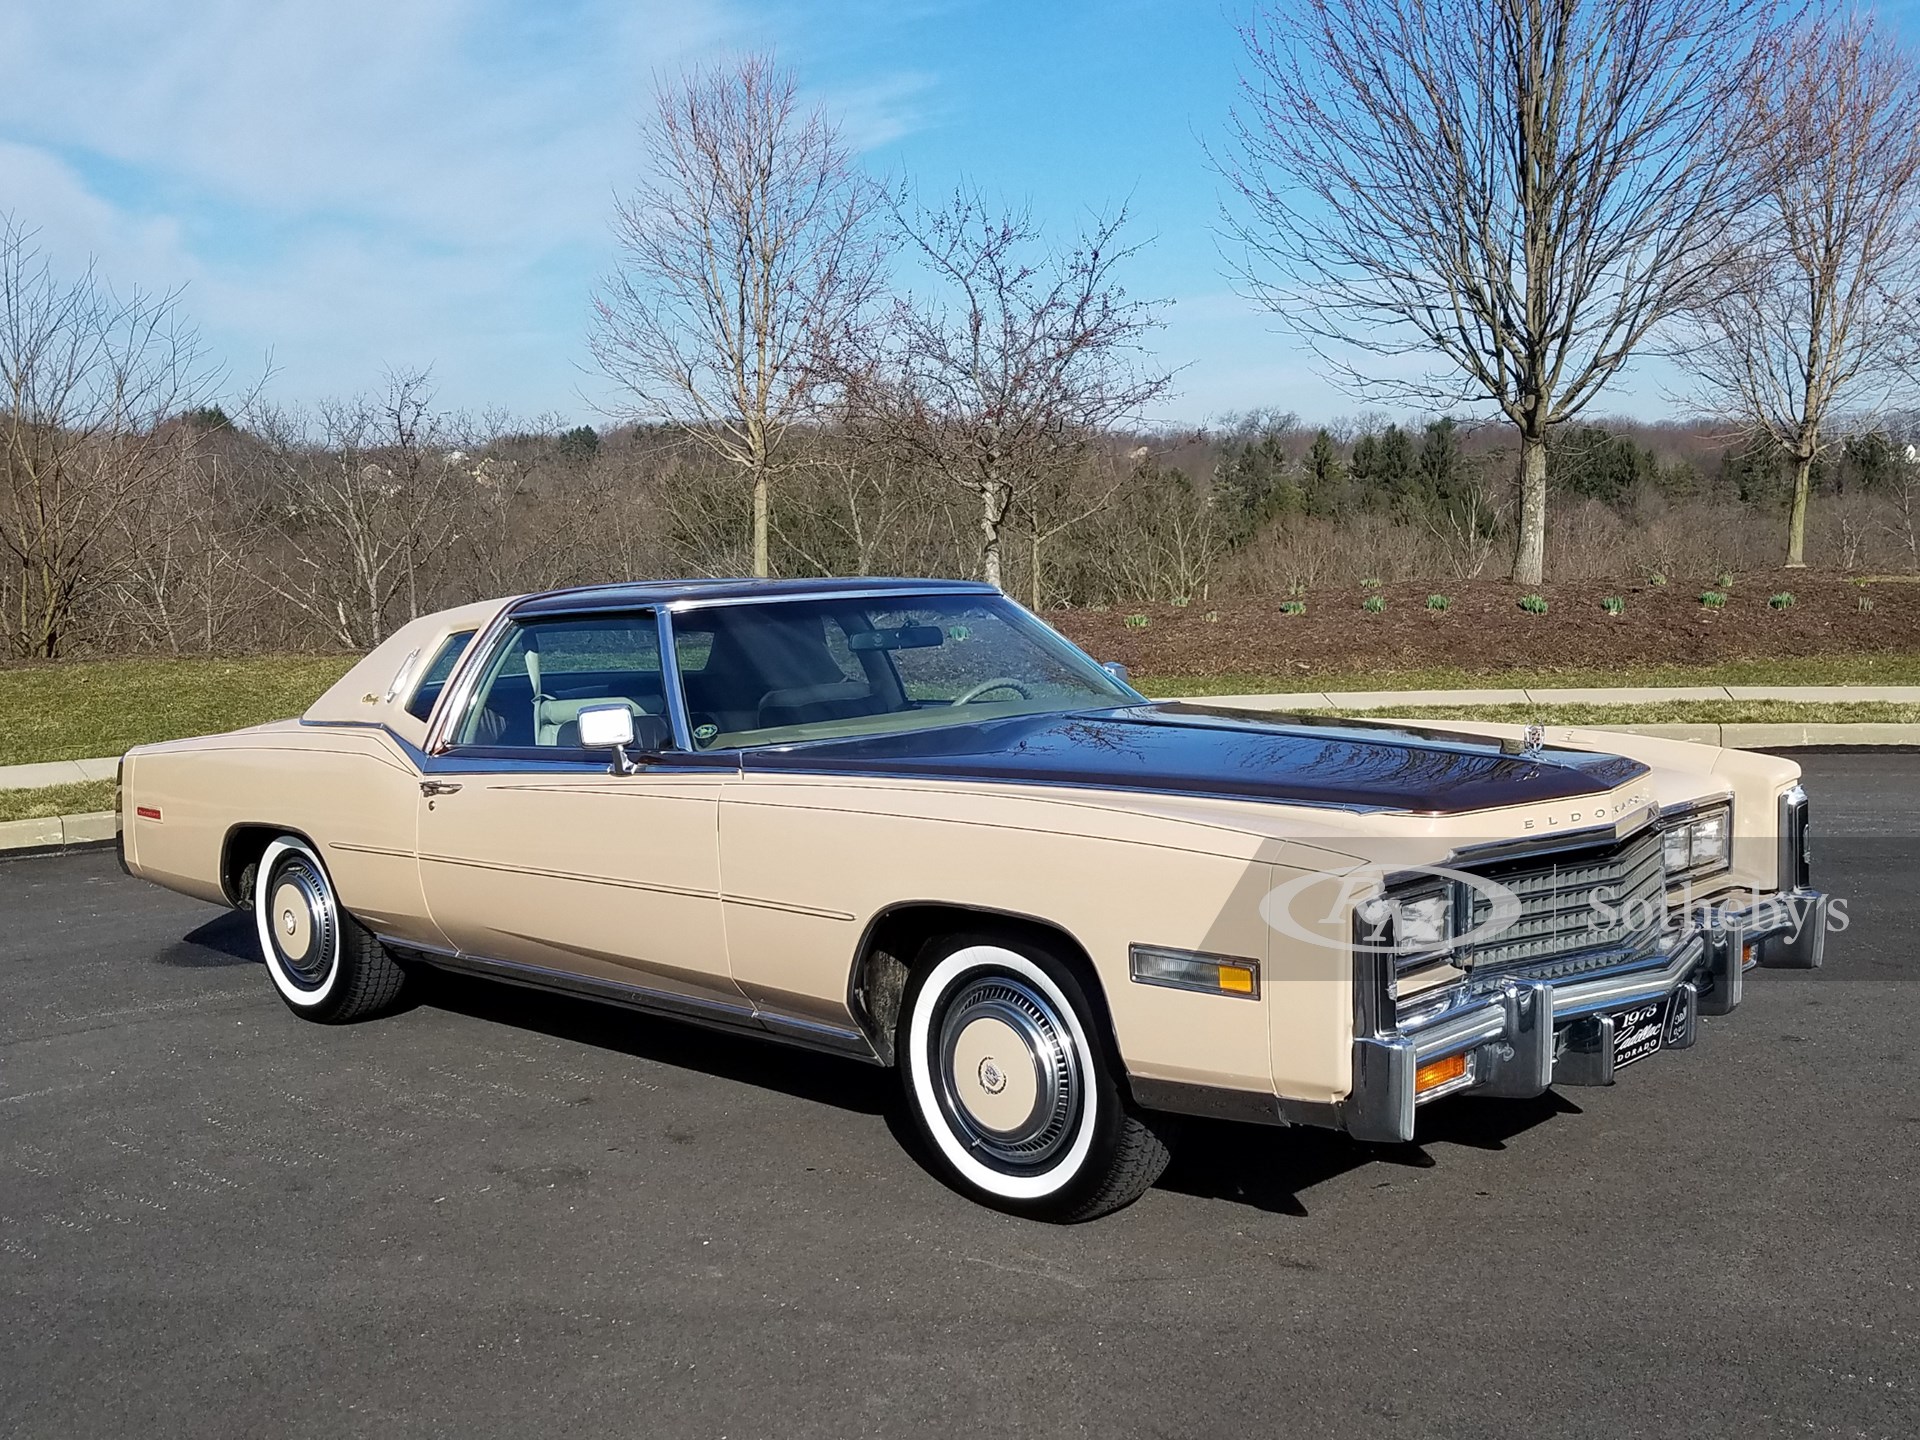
column 1529, row 744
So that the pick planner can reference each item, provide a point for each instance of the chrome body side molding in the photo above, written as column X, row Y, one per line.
column 744, row 1019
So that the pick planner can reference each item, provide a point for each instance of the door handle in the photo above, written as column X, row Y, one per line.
column 438, row 787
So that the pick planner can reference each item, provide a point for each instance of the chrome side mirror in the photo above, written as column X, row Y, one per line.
column 1115, row 669
column 609, row 727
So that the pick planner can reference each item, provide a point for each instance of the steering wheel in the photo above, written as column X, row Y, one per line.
column 987, row 687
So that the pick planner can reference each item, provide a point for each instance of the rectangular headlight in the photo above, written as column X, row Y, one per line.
column 1676, row 849
column 1710, row 841
column 1698, row 844
column 1425, row 923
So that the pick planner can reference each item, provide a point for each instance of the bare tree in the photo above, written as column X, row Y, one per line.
column 749, row 251
column 88, row 381
column 184, row 581
column 361, row 507
column 1020, row 355
column 1522, row 190
column 1807, row 321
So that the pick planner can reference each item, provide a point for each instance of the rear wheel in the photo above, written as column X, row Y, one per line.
column 1011, row 1079
column 325, row 964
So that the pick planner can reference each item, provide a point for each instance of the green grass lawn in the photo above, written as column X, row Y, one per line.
column 82, row 799
column 1817, row 670
column 76, row 711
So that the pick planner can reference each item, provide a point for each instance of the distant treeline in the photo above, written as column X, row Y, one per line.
column 326, row 530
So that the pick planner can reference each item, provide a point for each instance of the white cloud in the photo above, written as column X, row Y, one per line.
column 354, row 183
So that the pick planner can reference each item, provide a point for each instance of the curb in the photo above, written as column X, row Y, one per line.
column 57, row 772
column 58, row 832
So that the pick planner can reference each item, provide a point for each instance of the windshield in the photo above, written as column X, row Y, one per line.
column 779, row 673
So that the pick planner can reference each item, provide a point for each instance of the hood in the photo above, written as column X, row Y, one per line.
column 1186, row 749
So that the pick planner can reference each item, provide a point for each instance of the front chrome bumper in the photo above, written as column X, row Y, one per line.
column 1530, row 1034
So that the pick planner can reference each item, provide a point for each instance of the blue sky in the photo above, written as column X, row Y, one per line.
column 344, row 185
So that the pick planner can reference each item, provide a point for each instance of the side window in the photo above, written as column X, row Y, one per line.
column 547, row 671
column 434, row 678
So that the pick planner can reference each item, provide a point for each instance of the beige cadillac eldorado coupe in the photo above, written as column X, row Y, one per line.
column 908, row 822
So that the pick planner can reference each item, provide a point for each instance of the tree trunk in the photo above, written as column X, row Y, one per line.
column 992, row 512
column 1797, row 515
column 1530, row 555
column 762, row 564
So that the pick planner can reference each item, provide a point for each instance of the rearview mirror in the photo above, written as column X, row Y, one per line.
column 1116, row 670
column 608, row 727
column 905, row 637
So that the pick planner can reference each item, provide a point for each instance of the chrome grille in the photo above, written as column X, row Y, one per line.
column 1560, row 931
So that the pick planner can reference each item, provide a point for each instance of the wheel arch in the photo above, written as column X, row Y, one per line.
column 895, row 936
column 241, row 850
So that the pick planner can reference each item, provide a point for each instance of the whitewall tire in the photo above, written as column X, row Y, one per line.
column 325, row 964
column 1008, row 1072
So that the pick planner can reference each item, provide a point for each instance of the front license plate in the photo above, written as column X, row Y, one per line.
column 1638, row 1032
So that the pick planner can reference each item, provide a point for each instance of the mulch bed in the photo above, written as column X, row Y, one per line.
column 1484, row 627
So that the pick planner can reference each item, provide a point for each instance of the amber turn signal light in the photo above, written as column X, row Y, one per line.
column 1236, row 979
column 1435, row 1073
column 1193, row 970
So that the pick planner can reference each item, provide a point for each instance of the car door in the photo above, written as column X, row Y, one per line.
column 534, row 857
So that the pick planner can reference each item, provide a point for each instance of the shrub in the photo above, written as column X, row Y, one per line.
column 1781, row 601
column 1613, row 605
column 1212, row 617
column 1297, row 589
column 1371, row 583
column 1724, row 580
column 1136, row 622
column 1533, row 604
column 1865, row 604
column 1374, row 604
column 1713, row 599
column 1656, row 578
column 1180, row 602
column 1293, row 607
column 1437, row 602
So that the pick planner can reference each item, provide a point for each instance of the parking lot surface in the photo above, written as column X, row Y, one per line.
column 498, row 1213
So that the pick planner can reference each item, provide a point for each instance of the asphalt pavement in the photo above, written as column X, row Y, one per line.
column 500, row 1214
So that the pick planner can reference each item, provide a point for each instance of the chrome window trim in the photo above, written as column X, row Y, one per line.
column 710, row 602
column 670, row 681
column 457, row 694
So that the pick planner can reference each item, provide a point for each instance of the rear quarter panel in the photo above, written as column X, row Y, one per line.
column 348, row 789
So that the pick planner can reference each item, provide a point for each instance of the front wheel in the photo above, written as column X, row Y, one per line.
column 325, row 964
column 1011, row 1079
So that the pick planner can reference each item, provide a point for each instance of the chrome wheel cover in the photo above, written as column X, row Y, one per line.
column 302, row 930
column 1010, row 1079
